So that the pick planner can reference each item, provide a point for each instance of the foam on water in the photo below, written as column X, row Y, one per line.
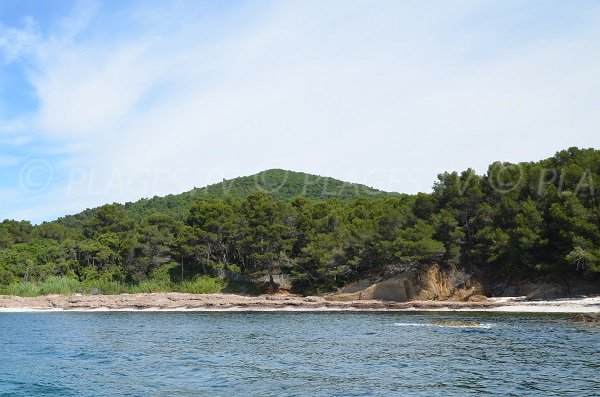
column 482, row 325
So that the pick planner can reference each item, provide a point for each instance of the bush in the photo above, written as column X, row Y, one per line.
column 164, row 272
column 202, row 285
column 101, row 287
column 24, row 288
column 234, row 269
column 69, row 286
column 59, row 285
column 150, row 286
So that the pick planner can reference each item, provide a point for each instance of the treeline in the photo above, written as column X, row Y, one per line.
column 520, row 221
column 277, row 183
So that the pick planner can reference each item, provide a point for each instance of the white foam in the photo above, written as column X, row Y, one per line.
column 483, row 325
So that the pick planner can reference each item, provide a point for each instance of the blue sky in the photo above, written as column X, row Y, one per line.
column 119, row 100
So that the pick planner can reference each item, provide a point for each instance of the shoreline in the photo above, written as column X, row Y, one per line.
column 178, row 302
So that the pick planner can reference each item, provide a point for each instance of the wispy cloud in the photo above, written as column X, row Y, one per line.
column 16, row 42
column 10, row 127
column 154, row 99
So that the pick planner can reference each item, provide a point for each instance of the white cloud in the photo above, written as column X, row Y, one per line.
column 17, row 141
column 12, row 134
column 386, row 93
column 18, row 42
column 11, row 127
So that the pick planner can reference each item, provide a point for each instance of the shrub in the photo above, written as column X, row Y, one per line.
column 102, row 287
column 59, row 285
column 202, row 285
column 24, row 288
column 150, row 286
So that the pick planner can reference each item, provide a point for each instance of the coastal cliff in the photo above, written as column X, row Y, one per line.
column 450, row 283
column 432, row 282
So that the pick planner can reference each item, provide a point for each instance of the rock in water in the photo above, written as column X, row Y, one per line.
column 591, row 319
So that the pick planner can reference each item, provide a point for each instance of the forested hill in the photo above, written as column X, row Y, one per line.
column 534, row 220
column 277, row 183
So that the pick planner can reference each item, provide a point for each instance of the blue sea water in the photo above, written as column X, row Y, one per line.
column 295, row 354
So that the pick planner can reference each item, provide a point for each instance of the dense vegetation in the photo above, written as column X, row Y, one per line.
column 527, row 220
column 279, row 184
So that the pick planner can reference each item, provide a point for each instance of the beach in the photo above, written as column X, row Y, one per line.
column 232, row 302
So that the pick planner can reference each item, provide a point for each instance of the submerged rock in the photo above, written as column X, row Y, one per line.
column 591, row 319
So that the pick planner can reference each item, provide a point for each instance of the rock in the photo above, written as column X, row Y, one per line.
column 430, row 283
column 591, row 319
column 543, row 290
column 477, row 298
column 547, row 291
column 274, row 298
column 76, row 300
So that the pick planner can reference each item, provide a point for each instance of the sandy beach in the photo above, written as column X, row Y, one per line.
column 229, row 302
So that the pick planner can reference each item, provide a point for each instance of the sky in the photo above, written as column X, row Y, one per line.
column 113, row 101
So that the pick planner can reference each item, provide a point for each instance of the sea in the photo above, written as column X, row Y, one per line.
column 296, row 354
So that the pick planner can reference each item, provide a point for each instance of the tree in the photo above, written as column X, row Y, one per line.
column 215, row 224
column 108, row 218
column 155, row 242
column 268, row 236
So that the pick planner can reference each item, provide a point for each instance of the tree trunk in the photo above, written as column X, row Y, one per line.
column 182, row 269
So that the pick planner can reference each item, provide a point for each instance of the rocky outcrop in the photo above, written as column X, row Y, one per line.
column 412, row 282
column 281, row 281
column 536, row 290
column 432, row 282
column 180, row 301
column 284, row 302
column 591, row 319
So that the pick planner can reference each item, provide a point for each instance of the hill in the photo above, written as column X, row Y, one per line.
column 277, row 183
column 516, row 225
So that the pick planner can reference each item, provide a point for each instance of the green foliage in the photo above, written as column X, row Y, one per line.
column 202, row 285
column 517, row 220
column 59, row 285
column 286, row 185
column 13, row 232
column 106, row 219
column 150, row 286
column 103, row 287
column 25, row 288
column 69, row 286
column 277, row 183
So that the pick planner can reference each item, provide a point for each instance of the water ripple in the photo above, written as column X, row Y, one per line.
column 295, row 354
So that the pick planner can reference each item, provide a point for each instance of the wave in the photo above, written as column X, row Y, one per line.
column 482, row 325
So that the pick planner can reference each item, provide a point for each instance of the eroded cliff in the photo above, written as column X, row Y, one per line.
column 432, row 282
